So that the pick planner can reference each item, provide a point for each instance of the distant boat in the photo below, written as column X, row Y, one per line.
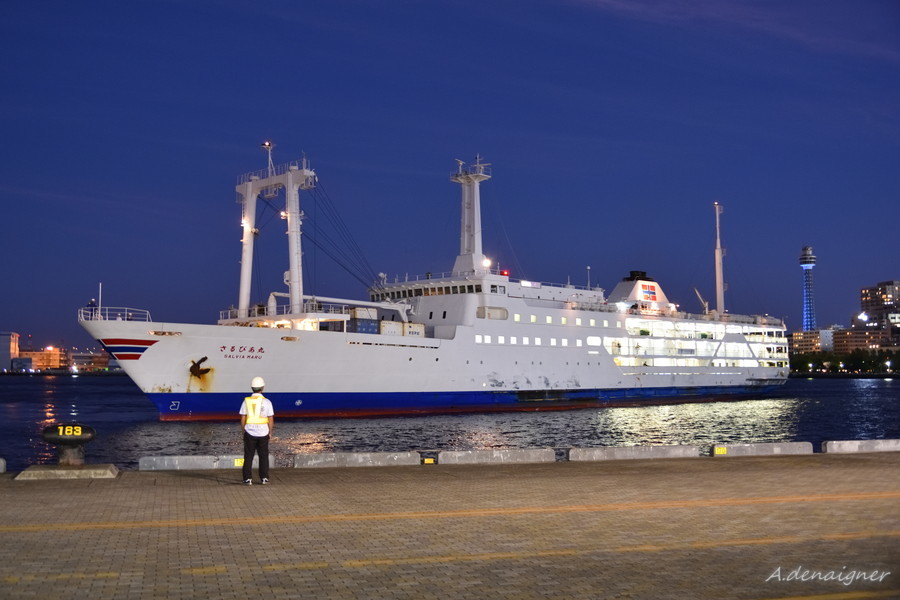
column 471, row 339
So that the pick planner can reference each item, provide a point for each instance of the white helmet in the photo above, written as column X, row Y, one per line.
column 257, row 383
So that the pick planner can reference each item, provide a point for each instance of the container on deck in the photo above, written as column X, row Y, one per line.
column 391, row 328
column 414, row 329
column 362, row 326
column 363, row 313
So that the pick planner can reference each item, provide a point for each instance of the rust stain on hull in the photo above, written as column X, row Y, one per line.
column 201, row 377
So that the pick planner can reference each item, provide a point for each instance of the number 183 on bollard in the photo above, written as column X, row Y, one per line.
column 71, row 438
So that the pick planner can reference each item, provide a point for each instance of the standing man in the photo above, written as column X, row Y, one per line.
column 257, row 423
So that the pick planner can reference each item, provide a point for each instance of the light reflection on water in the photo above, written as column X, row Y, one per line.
column 127, row 426
column 699, row 424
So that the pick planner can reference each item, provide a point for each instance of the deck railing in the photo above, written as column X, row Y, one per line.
column 262, row 310
column 107, row 313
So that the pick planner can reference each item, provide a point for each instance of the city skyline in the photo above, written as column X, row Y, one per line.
column 612, row 128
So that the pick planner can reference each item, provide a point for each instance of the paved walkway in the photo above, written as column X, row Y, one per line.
column 737, row 528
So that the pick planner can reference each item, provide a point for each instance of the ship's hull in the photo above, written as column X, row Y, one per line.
column 197, row 372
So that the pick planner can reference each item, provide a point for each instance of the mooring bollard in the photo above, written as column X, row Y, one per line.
column 70, row 438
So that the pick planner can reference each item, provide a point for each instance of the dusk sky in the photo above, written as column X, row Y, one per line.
column 611, row 125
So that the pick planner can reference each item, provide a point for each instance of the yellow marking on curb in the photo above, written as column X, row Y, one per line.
column 450, row 514
column 416, row 560
column 844, row 596
column 787, row 539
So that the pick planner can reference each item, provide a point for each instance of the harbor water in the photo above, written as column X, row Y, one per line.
column 127, row 426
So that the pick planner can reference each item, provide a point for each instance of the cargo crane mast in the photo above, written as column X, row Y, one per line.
column 293, row 177
column 471, row 258
column 720, row 252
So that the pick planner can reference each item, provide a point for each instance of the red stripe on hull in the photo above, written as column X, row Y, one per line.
column 126, row 356
column 124, row 342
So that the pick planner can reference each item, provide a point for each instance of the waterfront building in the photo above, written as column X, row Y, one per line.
column 848, row 340
column 883, row 297
column 51, row 357
column 9, row 349
column 880, row 306
column 88, row 361
column 820, row 340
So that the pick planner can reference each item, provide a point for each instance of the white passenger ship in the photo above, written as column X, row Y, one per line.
column 472, row 339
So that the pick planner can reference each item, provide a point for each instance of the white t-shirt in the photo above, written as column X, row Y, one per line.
column 265, row 411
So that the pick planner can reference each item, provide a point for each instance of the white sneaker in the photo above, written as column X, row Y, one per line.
column 265, row 481
column 248, row 482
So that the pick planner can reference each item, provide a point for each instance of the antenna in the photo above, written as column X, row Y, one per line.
column 272, row 190
column 268, row 147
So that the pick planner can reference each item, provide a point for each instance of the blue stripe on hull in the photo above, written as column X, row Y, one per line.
column 213, row 406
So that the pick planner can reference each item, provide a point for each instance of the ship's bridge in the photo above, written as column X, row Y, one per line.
column 491, row 282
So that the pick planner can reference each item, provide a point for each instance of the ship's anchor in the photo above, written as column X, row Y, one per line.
column 198, row 371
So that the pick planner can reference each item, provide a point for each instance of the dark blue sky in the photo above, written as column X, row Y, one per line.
column 612, row 127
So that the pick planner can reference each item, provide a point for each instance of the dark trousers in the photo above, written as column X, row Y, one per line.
column 256, row 445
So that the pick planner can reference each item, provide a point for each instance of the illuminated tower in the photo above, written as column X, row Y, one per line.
column 807, row 262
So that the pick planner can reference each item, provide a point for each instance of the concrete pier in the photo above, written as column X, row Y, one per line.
column 761, row 527
column 633, row 452
column 861, row 446
column 761, row 449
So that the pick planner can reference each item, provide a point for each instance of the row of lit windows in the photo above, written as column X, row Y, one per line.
column 525, row 341
column 548, row 320
column 614, row 346
column 666, row 327
column 444, row 290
